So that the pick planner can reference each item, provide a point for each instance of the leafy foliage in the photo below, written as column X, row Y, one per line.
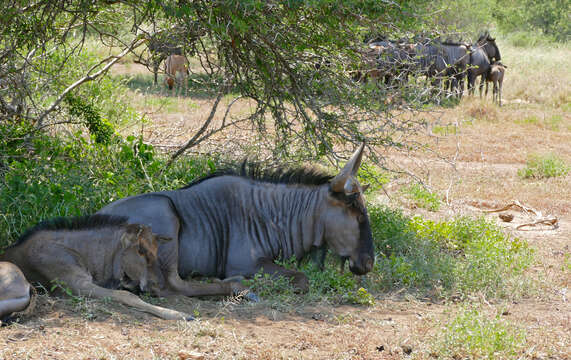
column 422, row 197
column 51, row 177
column 98, row 127
column 449, row 258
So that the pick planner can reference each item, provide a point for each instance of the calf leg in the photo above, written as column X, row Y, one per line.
column 500, row 92
column 83, row 285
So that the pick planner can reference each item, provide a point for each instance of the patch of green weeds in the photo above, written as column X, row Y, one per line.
column 554, row 122
column 273, row 288
column 530, row 120
column 422, row 197
column 444, row 130
column 544, row 166
column 473, row 335
column 456, row 257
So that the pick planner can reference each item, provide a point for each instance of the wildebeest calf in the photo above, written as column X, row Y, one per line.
column 97, row 255
column 496, row 76
column 15, row 291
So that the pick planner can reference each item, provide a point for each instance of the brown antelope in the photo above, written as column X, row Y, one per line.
column 174, row 65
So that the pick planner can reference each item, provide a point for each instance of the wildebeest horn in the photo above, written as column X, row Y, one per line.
column 350, row 169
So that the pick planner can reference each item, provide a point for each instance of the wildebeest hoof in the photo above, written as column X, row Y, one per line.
column 189, row 318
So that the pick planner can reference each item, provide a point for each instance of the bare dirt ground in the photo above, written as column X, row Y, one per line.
column 491, row 150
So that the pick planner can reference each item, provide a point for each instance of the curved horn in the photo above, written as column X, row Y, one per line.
column 350, row 169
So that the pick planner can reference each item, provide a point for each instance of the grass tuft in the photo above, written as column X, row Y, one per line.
column 422, row 197
column 473, row 335
column 544, row 166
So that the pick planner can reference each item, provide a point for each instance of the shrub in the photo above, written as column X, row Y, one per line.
column 471, row 334
column 422, row 197
column 544, row 166
column 449, row 258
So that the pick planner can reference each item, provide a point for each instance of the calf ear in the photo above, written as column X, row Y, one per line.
column 129, row 237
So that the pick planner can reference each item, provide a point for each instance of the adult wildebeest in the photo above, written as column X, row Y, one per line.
column 482, row 54
column 236, row 223
column 496, row 76
column 442, row 60
column 96, row 255
column 15, row 290
column 394, row 60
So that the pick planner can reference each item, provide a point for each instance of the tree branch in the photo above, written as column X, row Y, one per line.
column 137, row 42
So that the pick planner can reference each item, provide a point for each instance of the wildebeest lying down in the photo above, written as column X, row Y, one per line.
column 233, row 223
column 15, row 291
column 95, row 255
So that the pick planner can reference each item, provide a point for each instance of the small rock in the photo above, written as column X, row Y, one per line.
column 380, row 348
column 192, row 355
column 506, row 217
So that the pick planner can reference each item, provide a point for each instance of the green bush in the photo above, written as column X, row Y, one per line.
column 43, row 177
column 422, row 197
column 471, row 334
column 544, row 166
column 449, row 258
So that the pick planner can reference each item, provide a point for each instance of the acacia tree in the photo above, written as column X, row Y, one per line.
column 295, row 59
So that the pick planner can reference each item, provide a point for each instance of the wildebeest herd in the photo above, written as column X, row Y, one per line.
column 228, row 225
column 394, row 62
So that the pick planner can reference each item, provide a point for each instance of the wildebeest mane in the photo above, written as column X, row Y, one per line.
column 73, row 223
column 277, row 175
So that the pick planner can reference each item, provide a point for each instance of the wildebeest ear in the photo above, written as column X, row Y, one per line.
column 339, row 182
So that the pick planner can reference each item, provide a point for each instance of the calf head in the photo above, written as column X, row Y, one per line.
column 140, row 266
column 347, row 228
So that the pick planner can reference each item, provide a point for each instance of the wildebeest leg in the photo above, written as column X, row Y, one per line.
column 482, row 81
column 500, row 92
column 81, row 284
column 318, row 255
column 298, row 279
column 178, row 286
column 486, row 93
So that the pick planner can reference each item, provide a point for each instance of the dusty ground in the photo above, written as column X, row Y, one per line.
column 492, row 145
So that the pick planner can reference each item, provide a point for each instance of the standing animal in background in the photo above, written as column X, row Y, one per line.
column 442, row 61
column 238, row 222
column 482, row 55
column 496, row 76
column 15, row 291
column 160, row 49
column 93, row 256
column 175, row 65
